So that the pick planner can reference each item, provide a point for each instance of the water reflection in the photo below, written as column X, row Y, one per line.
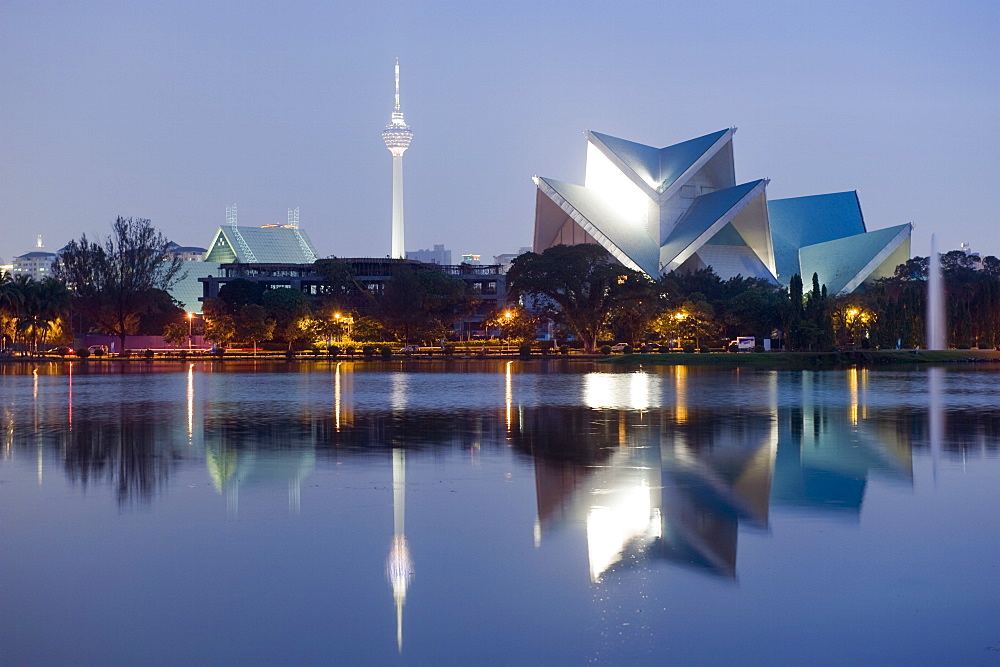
column 664, row 466
column 399, row 567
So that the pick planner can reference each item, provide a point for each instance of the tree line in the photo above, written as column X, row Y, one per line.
column 592, row 298
column 119, row 286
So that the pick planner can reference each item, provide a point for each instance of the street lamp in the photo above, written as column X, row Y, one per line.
column 504, row 331
column 190, row 317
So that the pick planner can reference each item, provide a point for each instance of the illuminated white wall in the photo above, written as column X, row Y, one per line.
column 608, row 180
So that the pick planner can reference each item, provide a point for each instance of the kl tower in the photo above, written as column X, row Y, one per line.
column 397, row 136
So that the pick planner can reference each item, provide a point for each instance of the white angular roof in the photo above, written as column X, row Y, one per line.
column 657, row 210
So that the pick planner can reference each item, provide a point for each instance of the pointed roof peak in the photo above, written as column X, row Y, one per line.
column 659, row 168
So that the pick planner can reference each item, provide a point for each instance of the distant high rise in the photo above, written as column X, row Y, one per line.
column 397, row 136
column 439, row 255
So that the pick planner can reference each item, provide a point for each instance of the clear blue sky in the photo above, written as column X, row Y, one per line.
column 172, row 110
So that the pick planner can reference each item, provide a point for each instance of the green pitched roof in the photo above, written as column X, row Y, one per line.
column 266, row 245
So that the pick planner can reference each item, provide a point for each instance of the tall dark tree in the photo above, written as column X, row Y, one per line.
column 112, row 282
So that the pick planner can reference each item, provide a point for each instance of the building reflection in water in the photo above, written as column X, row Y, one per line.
column 235, row 462
column 650, row 468
column 678, row 483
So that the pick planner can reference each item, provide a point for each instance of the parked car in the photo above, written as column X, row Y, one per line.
column 98, row 350
column 61, row 350
column 410, row 349
column 619, row 347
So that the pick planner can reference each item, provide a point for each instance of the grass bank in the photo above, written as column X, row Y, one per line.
column 796, row 360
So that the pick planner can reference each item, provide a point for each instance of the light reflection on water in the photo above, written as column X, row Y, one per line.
column 591, row 505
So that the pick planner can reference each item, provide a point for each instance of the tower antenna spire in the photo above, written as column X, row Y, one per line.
column 396, row 109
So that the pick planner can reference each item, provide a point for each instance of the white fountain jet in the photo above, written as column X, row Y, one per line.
column 935, row 301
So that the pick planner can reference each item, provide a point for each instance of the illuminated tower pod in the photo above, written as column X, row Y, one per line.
column 397, row 137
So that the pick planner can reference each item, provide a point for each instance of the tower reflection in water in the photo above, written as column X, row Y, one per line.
column 398, row 567
column 650, row 468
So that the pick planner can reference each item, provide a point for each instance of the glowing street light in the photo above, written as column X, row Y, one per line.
column 190, row 317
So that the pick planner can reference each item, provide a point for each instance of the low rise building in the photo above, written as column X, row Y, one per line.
column 37, row 264
column 371, row 274
column 188, row 253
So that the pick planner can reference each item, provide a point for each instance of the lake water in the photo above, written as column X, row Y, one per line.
column 460, row 512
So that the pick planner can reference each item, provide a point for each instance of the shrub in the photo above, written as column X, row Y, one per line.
column 759, row 347
column 368, row 351
column 627, row 349
column 148, row 354
column 184, row 354
column 524, row 350
column 98, row 352
column 333, row 350
column 605, row 349
column 688, row 348
column 564, row 349
column 704, row 349
column 83, row 354
column 349, row 351
column 386, row 352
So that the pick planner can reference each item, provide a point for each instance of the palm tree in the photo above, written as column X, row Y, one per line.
column 10, row 303
column 43, row 304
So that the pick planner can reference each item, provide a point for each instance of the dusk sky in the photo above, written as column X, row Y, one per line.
column 174, row 110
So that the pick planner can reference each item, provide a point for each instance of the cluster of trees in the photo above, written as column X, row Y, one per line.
column 416, row 305
column 119, row 287
column 591, row 297
column 972, row 303
column 33, row 313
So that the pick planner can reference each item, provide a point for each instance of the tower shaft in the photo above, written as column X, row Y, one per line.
column 398, row 243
